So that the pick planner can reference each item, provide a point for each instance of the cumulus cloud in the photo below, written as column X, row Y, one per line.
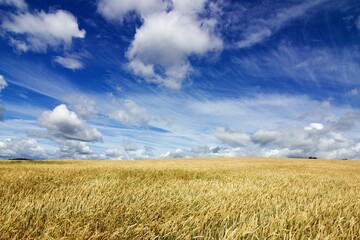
column 74, row 147
column 176, row 153
column 130, row 113
column 40, row 30
column 61, row 123
column 166, row 40
column 285, row 152
column 169, row 35
column 231, row 137
column 82, row 105
column 129, row 152
column 70, row 149
column 21, row 148
column 203, row 151
column 351, row 152
column 18, row 4
column 30, row 148
column 288, row 137
column 315, row 139
column 216, row 151
column 69, row 62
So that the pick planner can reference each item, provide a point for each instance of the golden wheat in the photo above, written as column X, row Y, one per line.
column 180, row 199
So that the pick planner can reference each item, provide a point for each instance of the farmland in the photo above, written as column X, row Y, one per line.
column 220, row 198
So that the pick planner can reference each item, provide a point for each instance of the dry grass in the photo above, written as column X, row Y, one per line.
column 180, row 199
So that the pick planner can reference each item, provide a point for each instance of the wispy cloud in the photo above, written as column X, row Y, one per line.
column 129, row 113
column 35, row 78
column 3, row 84
column 318, row 65
column 18, row 4
column 69, row 62
column 262, row 27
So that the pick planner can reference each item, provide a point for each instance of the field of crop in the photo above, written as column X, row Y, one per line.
column 180, row 199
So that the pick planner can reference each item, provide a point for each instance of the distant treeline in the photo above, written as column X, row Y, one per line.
column 20, row 159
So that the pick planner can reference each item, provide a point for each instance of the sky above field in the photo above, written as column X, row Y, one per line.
column 131, row 79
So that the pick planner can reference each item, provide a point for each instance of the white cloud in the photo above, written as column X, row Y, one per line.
column 352, row 152
column 254, row 37
column 291, row 141
column 167, row 38
column 189, row 6
column 70, row 149
column 19, row 4
column 64, row 124
column 130, row 113
column 21, row 148
column 287, row 137
column 215, row 151
column 116, row 10
column 38, row 31
column 69, row 62
column 140, row 69
column 193, row 119
column 3, row 83
column 129, row 152
column 314, row 126
column 284, row 152
column 19, row 45
column 176, row 153
column 82, row 104
column 232, row 138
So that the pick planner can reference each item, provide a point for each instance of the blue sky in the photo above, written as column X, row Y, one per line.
column 126, row 79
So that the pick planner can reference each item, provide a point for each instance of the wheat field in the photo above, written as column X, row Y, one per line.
column 180, row 199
